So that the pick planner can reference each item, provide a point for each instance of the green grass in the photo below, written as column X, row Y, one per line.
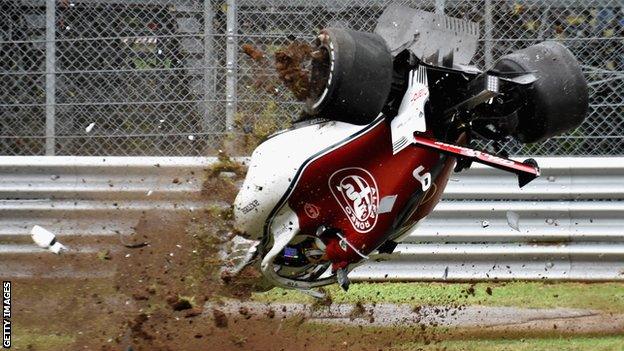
column 604, row 343
column 30, row 339
column 600, row 296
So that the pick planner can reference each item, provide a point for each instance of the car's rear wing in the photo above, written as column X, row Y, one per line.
column 434, row 38
column 526, row 171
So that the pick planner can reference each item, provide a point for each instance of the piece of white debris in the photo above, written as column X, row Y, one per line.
column 150, row 192
column 485, row 224
column 191, row 137
column 127, row 255
column 90, row 127
column 46, row 239
column 513, row 220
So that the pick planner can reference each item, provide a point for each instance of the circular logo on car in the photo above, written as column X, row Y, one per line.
column 311, row 210
column 356, row 191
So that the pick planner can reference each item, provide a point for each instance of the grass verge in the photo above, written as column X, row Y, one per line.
column 580, row 343
column 33, row 339
column 608, row 297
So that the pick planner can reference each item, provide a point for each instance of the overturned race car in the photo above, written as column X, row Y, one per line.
column 390, row 115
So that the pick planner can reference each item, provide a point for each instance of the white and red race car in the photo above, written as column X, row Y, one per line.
column 390, row 118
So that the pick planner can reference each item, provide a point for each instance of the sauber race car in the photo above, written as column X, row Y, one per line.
column 390, row 115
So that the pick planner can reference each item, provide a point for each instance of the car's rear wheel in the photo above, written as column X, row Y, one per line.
column 558, row 101
column 351, row 76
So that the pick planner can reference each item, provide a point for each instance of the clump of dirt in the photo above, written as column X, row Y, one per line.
column 357, row 311
column 225, row 164
column 469, row 291
column 220, row 319
column 253, row 52
column 244, row 311
column 179, row 303
column 324, row 302
column 136, row 326
column 104, row 255
column 290, row 66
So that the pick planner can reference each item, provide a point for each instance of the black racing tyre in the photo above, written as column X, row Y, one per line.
column 350, row 77
column 558, row 100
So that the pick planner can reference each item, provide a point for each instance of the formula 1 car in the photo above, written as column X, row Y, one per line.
column 391, row 115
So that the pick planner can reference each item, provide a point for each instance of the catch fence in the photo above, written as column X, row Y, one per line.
column 168, row 78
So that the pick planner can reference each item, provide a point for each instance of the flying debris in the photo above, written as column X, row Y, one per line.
column 90, row 127
column 45, row 239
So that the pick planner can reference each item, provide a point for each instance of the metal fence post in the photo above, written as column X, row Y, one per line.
column 231, row 53
column 50, row 67
column 439, row 6
column 209, row 65
column 487, row 47
column 543, row 24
